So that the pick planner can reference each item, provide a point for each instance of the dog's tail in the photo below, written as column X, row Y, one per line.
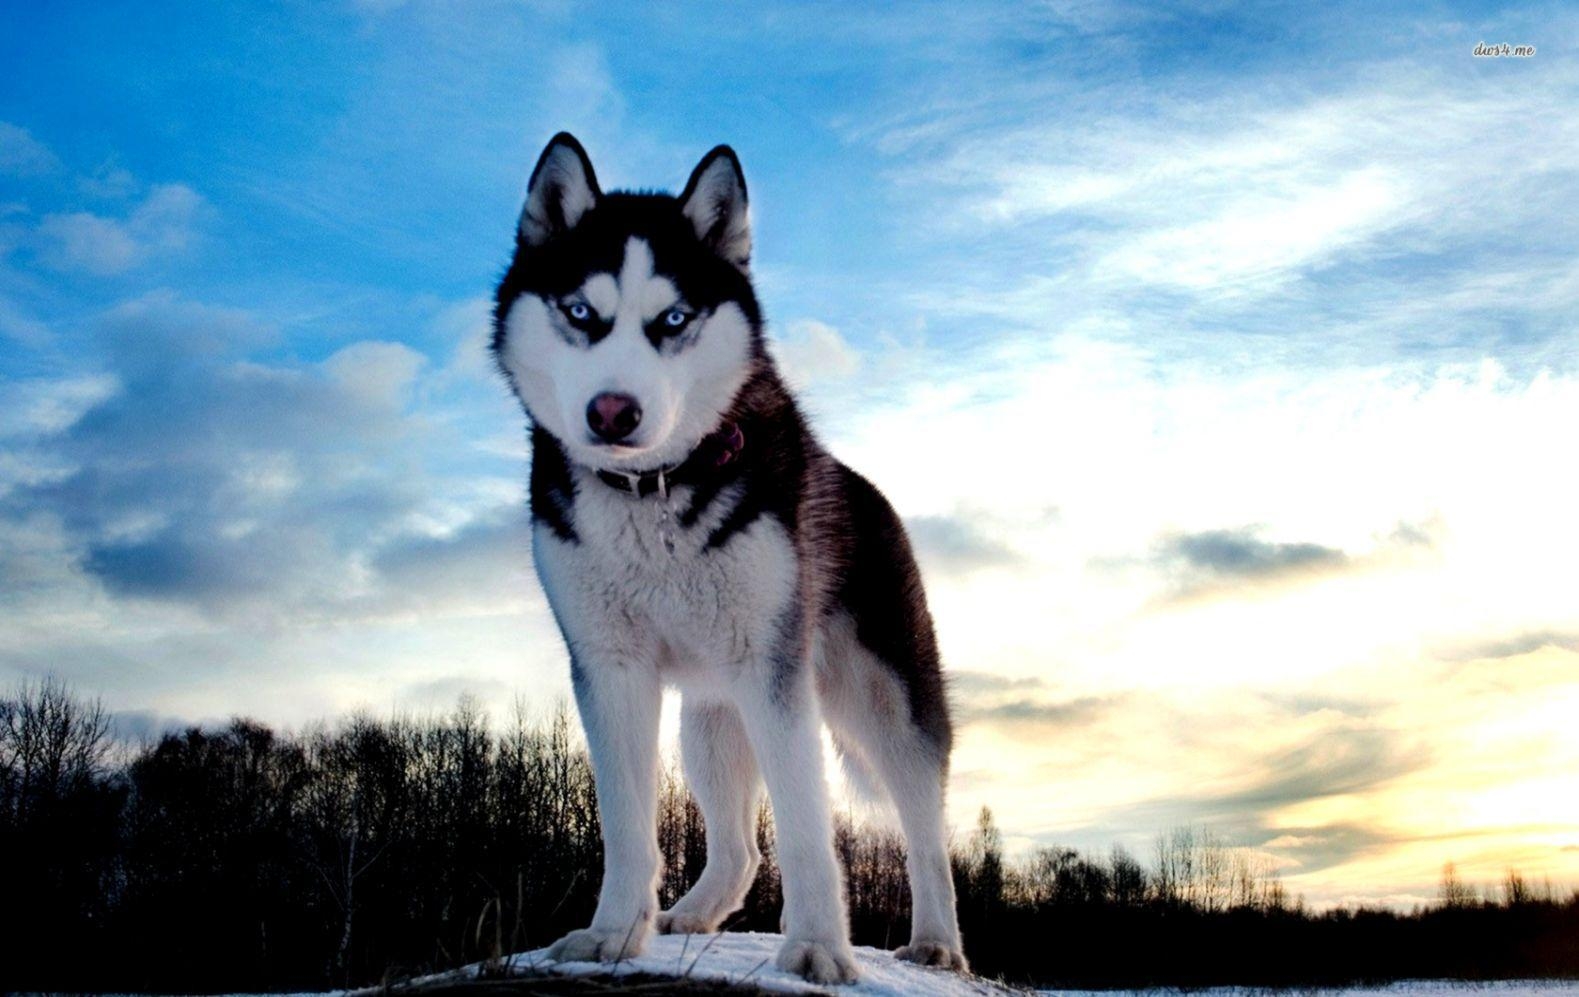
column 858, row 773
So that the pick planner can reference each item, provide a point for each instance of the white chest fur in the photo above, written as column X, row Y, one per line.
column 636, row 583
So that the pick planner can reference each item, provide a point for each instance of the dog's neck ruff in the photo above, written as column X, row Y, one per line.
column 716, row 450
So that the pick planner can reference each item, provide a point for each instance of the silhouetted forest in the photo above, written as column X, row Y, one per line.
column 374, row 849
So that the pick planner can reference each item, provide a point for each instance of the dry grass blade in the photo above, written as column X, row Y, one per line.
column 754, row 971
column 684, row 947
column 710, row 943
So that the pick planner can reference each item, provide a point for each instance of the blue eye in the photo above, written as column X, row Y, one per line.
column 579, row 311
column 674, row 318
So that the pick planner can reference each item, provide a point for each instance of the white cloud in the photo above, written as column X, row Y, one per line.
column 164, row 221
column 378, row 374
column 84, row 241
column 163, row 224
column 23, row 155
column 813, row 352
column 46, row 407
column 108, row 181
column 20, row 327
column 1262, row 236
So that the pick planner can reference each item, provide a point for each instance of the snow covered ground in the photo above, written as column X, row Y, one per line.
column 747, row 957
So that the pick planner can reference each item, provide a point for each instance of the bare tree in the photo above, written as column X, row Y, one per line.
column 51, row 744
column 1454, row 893
column 1516, row 892
column 1128, row 877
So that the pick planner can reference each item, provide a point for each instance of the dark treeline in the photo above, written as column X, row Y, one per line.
column 244, row 859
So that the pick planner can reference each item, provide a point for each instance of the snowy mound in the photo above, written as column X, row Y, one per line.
column 745, row 957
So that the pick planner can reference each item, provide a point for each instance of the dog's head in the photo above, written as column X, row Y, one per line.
column 627, row 323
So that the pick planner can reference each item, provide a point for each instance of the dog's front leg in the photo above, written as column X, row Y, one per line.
column 619, row 701
column 777, row 699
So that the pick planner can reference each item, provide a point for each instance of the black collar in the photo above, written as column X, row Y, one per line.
column 713, row 452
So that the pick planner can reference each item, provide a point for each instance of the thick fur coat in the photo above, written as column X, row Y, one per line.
column 690, row 531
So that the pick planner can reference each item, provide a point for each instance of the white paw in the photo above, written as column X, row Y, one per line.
column 679, row 922
column 818, row 962
column 596, row 945
column 940, row 954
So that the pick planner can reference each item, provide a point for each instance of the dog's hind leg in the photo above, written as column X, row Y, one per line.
column 870, row 714
column 916, row 784
column 722, row 774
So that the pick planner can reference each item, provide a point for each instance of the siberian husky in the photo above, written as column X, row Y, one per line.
column 690, row 531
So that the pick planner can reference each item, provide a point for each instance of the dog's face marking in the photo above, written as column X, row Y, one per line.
column 589, row 314
column 683, row 369
column 641, row 296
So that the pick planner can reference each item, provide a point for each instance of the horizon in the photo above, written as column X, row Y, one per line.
column 1219, row 363
column 128, row 738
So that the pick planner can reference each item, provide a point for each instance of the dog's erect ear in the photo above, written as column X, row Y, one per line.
column 715, row 202
column 561, row 190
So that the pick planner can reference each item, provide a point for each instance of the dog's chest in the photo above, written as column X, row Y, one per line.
column 637, row 571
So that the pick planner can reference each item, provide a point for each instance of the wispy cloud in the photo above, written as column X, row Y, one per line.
column 1406, row 207
column 1241, row 554
column 164, row 223
column 1220, row 561
column 1334, row 759
column 1063, row 716
column 956, row 544
column 45, row 407
column 284, row 488
column 23, row 155
column 1517, row 645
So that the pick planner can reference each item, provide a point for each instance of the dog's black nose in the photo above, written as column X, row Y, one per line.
column 613, row 416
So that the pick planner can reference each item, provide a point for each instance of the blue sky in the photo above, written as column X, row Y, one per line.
column 1222, row 361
